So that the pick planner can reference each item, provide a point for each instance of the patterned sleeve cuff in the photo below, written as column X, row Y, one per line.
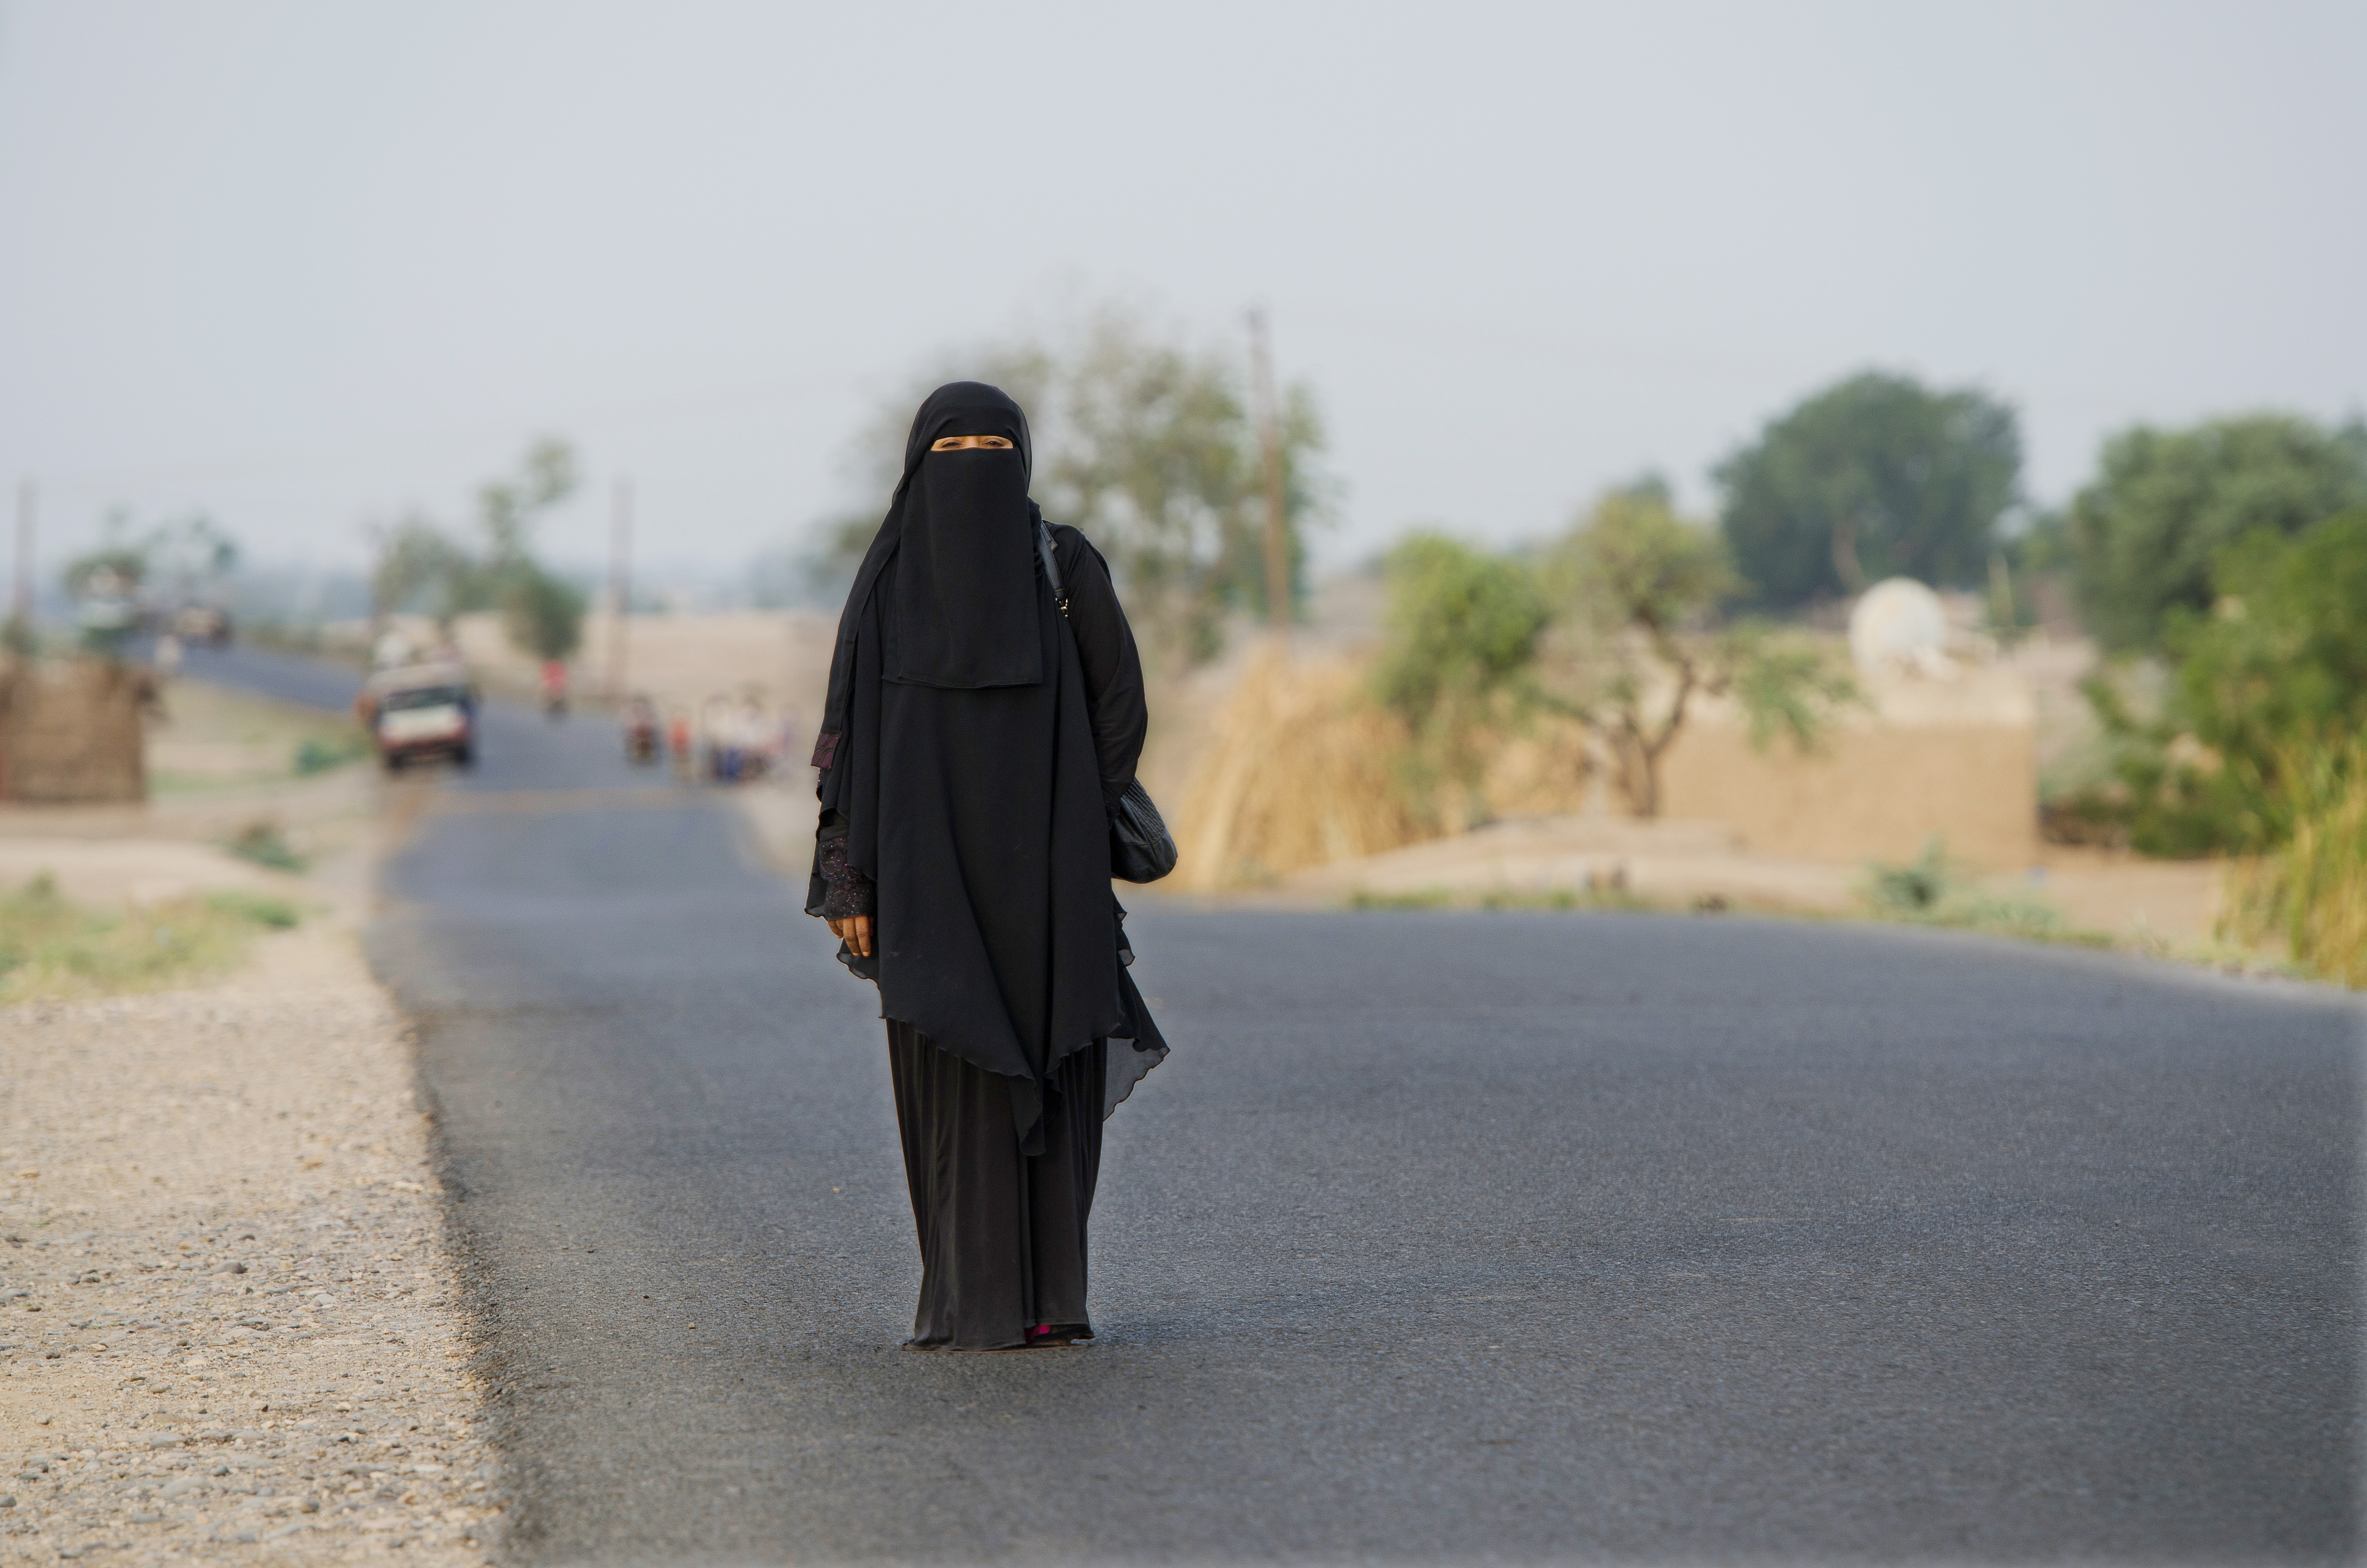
column 851, row 892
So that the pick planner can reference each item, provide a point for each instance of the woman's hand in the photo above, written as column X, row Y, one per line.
column 855, row 932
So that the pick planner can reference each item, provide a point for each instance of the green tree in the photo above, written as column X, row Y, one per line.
column 1877, row 476
column 119, row 562
column 542, row 613
column 107, row 581
column 506, row 508
column 191, row 554
column 1154, row 452
column 1463, row 632
column 2276, row 671
column 180, row 556
column 1147, row 442
column 1637, row 588
column 421, row 567
column 2144, row 536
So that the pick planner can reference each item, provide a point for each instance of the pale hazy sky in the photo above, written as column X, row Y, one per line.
column 304, row 264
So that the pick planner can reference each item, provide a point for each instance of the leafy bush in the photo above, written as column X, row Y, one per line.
column 2278, row 670
column 1463, row 629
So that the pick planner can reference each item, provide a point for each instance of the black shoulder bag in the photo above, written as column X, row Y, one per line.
column 1141, row 849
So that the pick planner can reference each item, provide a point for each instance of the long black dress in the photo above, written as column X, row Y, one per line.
column 975, row 742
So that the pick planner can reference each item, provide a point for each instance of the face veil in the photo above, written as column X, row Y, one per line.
column 964, row 615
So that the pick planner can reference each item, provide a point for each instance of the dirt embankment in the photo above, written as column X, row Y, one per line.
column 228, row 1327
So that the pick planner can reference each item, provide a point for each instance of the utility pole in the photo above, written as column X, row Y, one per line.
column 1277, row 526
column 620, row 582
column 21, row 631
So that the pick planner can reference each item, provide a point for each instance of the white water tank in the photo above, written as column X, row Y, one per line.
column 1900, row 624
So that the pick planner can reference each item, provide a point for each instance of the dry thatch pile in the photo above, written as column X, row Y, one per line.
column 1297, row 769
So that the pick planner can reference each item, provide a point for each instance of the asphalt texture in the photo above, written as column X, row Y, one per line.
column 1487, row 1236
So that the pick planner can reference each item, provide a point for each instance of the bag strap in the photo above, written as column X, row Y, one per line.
column 1051, row 567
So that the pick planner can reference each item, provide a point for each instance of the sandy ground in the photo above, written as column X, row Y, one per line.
column 1683, row 863
column 208, row 738
column 1680, row 864
column 107, row 874
column 228, row 1327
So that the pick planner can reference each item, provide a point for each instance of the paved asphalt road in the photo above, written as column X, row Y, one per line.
column 1440, row 1236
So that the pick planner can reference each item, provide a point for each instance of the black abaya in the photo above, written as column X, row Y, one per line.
column 972, row 741
column 1002, row 1234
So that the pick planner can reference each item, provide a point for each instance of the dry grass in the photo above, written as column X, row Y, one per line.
column 49, row 947
column 2312, row 894
column 1298, row 768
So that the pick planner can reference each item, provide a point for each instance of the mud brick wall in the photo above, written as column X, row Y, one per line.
column 70, row 732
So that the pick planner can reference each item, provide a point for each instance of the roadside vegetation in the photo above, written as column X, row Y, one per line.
column 2310, row 893
column 50, row 947
column 261, row 843
column 1931, row 891
column 208, row 738
column 2223, row 567
column 2220, row 568
column 425, row 568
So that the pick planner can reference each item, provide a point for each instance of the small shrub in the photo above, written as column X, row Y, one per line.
column 1915, row 888
column 314, row 754
column 262, row 843
column 1929, row 890
column 261, row 908
column 1428, row 898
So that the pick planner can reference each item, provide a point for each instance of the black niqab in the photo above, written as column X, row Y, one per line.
column 965, row 613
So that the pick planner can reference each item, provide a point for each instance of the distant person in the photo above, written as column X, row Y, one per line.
column 755, row 738
column 640, row 727
column 554, row 689
column 678, row 742
column 972, row 753
column 715, row 732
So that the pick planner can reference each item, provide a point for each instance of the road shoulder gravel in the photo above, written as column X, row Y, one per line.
column 230, row 1327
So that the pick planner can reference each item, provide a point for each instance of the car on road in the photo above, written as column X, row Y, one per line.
column 421, row 712
column 209, row 624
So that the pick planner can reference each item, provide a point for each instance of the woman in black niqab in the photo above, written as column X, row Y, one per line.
column 973, row 745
